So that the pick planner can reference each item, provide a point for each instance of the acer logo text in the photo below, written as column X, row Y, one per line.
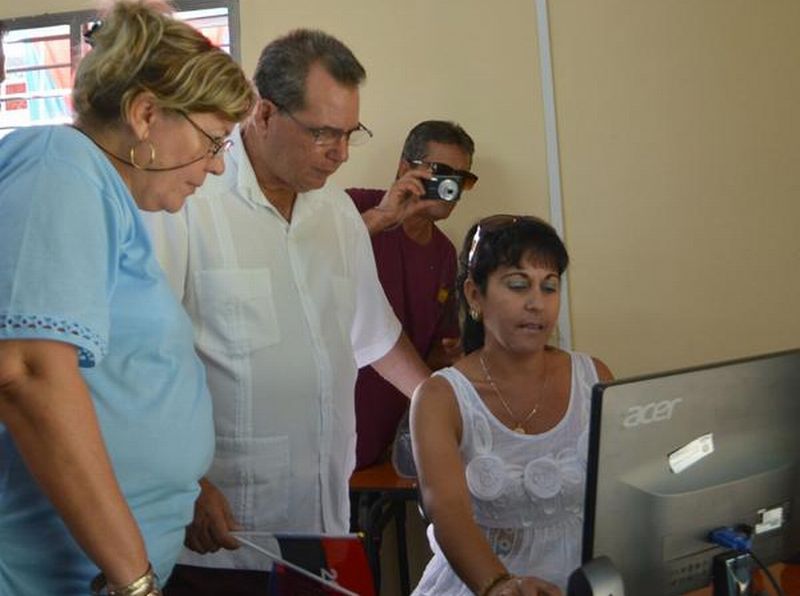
column 656, row 411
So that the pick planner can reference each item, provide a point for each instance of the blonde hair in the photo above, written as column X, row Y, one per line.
column 141, row 47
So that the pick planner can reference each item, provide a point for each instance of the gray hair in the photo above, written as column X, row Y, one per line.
column 284, row 64
column 438, row 131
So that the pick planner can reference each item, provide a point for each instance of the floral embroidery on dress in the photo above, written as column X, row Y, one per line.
column 486, row 477
column 86, row 358
column 542, row 478
column 573, row 471
column 571, row 465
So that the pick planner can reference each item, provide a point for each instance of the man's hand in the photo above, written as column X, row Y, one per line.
column 400, row 201
column 213, row 521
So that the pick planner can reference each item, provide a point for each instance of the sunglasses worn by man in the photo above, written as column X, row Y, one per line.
column 468, row 179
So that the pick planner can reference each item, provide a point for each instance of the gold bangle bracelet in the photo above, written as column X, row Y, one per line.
column 494, row 582
column 146, row 585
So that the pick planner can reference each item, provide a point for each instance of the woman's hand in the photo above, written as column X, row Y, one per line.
column 525, row 586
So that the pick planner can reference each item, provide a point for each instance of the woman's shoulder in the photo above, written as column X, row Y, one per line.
column 603, row 372
column 55, row 136
column 26, row 143
column 566, row 358
column 435, row 401
column 438, row 386
column 446, row 389
column 62, row 150
column 62, row 160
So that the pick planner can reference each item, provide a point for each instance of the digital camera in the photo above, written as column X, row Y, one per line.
column 444, row 188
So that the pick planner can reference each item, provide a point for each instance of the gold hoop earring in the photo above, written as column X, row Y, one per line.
column 149, row 162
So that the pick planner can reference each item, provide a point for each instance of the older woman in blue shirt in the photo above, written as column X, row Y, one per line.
column 105, row 422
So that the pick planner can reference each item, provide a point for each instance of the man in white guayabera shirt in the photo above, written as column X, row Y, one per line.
column 275, row 268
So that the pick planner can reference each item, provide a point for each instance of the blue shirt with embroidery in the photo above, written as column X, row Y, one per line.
column 76, row 265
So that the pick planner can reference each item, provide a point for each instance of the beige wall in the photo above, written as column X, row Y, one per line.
column 680, row 148
column 680, row 143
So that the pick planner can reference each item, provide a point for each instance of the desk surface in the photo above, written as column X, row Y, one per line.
column 380, row 477
column 789, row 587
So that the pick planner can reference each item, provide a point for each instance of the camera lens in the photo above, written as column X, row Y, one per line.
column 448, row 189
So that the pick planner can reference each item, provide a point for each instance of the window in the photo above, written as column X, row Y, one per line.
column 42, row 54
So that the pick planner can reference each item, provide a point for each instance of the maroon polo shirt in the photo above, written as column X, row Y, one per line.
column 419, row 282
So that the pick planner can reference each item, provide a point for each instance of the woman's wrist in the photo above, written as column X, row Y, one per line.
column 508, row 586
column 494, row 583
column 146, row 585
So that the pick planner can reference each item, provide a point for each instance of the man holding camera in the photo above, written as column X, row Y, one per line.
column 416, row 266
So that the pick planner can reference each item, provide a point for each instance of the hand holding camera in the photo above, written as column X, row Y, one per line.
column 445, row 182
column 425, row 180
column 402, row 198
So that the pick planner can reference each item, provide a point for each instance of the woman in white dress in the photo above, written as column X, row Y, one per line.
column 500, row 439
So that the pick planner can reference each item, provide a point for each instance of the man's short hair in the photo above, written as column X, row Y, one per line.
column 284, row 64
column 438, row 131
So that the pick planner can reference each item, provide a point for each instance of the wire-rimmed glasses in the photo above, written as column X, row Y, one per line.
column 327, row 136
column 218, row 144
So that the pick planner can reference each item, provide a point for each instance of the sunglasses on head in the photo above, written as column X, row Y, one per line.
column 468, row 179
column 494, row 223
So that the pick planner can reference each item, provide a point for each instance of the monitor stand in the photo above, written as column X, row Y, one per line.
column 733, row 574
column 598, row 577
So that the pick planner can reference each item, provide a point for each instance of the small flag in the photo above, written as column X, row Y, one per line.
column 287, row 581
column 311, row 564
column 340, row 559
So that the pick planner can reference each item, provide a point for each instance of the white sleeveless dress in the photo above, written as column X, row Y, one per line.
column 527, row 490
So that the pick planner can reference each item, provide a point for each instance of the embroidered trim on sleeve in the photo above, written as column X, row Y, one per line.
column 58, row 326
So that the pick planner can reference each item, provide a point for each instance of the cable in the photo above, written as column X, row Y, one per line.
column 736, row 538
column 740, row 538
column 767, row 572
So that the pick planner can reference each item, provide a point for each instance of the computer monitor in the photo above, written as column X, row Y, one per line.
column 675, row 455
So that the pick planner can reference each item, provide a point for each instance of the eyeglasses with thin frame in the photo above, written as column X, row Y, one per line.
column 468, row 179
column 326, row 136
column 493, row 223
column 218, row 144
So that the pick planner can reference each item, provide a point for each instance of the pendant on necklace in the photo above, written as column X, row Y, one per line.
column 519, row 430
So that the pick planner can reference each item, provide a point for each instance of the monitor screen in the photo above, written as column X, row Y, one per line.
column 675, row 455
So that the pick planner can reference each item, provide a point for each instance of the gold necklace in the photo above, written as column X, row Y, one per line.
column 519, row 426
